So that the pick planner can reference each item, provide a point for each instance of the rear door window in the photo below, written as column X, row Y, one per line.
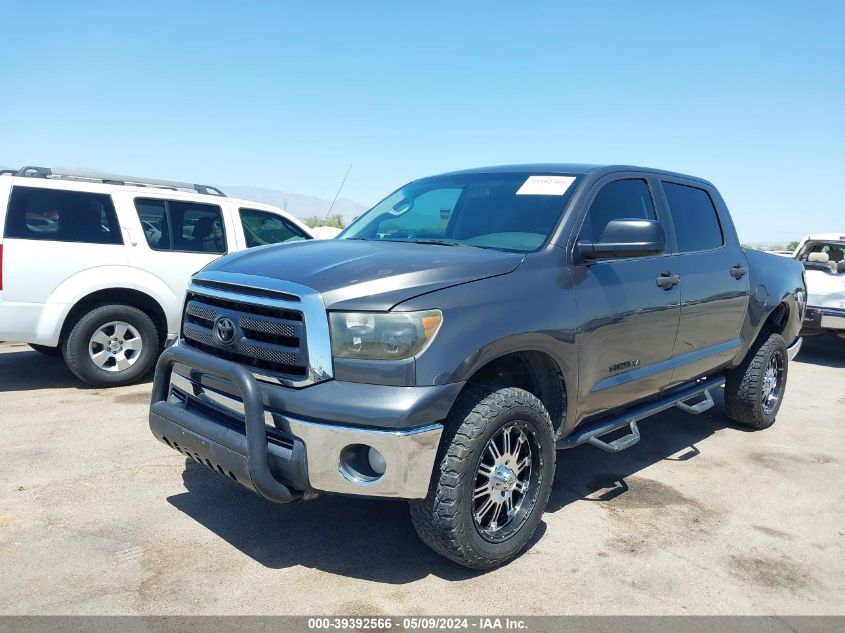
column 627, row 199
column 188, row 227
column 261, row 227
column 153, row 217
column 697, row 226
column 62, row 216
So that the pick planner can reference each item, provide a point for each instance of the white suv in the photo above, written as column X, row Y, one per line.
column 94, row 266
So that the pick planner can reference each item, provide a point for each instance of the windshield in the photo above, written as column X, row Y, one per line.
column 503, row 211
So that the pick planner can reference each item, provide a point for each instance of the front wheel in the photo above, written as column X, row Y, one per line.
column 492, row 480
column 754, row 390
column 112, row 345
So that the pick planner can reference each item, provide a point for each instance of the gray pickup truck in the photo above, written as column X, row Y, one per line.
column 467, row 326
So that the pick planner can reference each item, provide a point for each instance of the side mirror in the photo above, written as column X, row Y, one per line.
column 626, row 238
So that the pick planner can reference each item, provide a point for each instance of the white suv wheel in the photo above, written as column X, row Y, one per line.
column 115, row 346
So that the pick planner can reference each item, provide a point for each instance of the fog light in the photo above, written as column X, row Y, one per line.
column 376, row 460
column 361, row 463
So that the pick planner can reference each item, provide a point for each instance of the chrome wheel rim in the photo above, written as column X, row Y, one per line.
column 506, row 482
column 772, row 382
column 115, row 346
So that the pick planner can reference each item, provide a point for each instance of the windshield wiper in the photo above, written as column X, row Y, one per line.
column 437, row 242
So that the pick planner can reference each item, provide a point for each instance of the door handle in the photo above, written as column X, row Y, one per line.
column 738, row 271
column 667, row 280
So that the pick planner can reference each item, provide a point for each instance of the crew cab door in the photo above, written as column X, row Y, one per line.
column 628, row 308
column 714, row 278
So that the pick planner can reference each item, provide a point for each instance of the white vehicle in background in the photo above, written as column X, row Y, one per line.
column 823, row 256
column 325, row 232
column 94, row 266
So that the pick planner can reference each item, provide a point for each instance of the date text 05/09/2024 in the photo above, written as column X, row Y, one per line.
column 482, row 623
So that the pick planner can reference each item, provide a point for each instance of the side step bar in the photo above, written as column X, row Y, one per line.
column 592, row 433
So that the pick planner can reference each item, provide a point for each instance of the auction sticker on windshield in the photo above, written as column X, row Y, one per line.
column 545, row 186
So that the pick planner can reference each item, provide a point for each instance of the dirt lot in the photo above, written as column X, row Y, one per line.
column 700, row 517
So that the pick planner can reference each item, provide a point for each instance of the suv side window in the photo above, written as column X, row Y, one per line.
column 153, row 217
column 175, row 225
column 62, row 216
column 697, row 226
column 261, row 227
column 628, row 199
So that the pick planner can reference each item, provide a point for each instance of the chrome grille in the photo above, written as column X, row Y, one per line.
column 271, row 340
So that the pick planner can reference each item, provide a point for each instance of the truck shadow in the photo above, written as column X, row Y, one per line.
column 370, row 539
column 374, row 540
column 590, row 474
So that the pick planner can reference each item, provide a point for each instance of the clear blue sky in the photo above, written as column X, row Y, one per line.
column 285, row 95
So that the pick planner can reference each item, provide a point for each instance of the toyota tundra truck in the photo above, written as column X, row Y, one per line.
column 468, row 326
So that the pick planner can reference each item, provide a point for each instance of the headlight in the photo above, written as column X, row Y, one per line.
column 382, row 335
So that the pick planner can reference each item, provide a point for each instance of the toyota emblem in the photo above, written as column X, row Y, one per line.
column 224, row 331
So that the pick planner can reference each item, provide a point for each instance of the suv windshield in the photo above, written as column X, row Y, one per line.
column 504, row 211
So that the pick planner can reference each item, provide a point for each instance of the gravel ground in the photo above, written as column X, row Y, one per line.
column 96, row 517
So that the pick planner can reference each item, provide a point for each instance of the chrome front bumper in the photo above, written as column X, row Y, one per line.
column 311, row 460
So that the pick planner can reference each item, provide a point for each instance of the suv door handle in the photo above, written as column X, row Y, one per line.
column 667, row 280
column 738, row 271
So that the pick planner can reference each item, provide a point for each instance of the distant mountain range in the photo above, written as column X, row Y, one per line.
column 298, row 204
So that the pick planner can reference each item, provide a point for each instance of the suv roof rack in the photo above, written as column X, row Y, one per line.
column 114, row 179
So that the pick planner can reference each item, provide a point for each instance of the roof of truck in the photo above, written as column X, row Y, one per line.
column 569, row 168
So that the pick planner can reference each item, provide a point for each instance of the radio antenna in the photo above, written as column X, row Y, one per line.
column 342, row 182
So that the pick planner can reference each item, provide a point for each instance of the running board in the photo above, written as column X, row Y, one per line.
column 591, row 433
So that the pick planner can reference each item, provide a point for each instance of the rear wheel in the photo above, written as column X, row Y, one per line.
column 46, row 350
column 112, row 345
column 754, row 390
column 493, row 478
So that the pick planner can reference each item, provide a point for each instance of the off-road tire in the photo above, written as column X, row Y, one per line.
column 444, row 519
column 75, row 346
column 47, row 350
column 744, row 384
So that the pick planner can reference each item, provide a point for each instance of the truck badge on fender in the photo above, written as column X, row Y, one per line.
column 624, row 365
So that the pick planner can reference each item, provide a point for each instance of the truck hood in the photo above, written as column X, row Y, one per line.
column 369, row 275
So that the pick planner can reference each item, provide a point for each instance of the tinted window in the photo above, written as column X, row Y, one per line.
column 261, row 227
column 197, row 227
column 188, row 227
column 153, row 216
column 618, row 200
column 696, row 223
column 62, row 216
